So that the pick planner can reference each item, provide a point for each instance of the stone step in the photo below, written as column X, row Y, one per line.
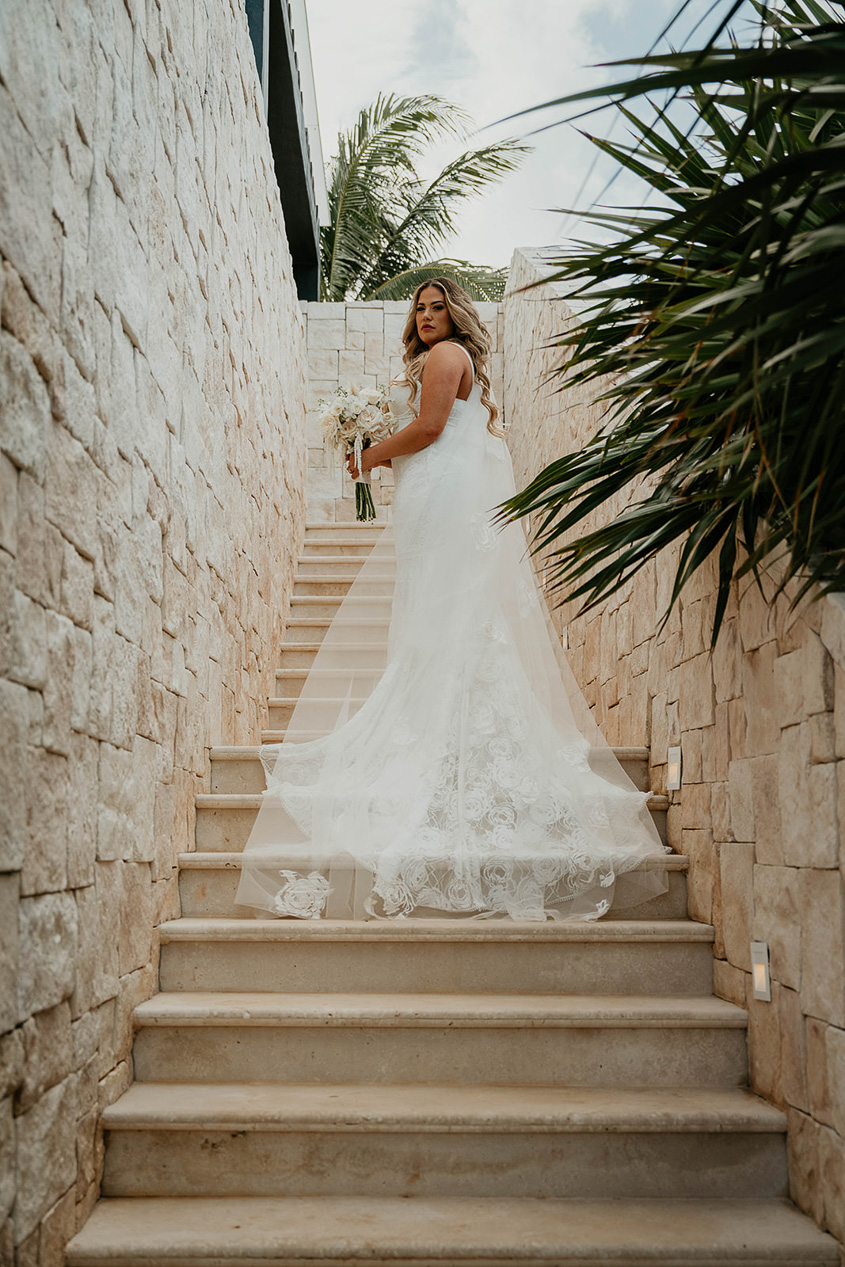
column 439, row 1141
column 436, row 955
column 321, row 565
column 327, row 531
column 447, row 1232
column 300, row 655
column 345, row 546
column 237, row 769
column 208, row 880
column 326, row 607
column 336, row 586
column 289, row 682
column 280, row 709
column 311, row 629
column 225, row 819
column 568, row 1040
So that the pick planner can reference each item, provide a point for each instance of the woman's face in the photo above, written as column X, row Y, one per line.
column 433, row 320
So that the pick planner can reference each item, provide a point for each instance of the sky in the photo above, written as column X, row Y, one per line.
column 493, row 58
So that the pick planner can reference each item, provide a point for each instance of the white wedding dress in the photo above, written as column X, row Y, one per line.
column 449, row 766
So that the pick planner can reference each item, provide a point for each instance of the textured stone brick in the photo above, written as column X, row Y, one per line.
column 136, row 918
column 737, row 890
column 765, row 1044
column 57, row 1228
column 696, row 698
column 40, row 547
column 8, row 505
column 127, row 801
column 762, row 726
column 98, row 907
column 793, row 1058
column 729, row 982
column 756, row 624
column 789, row 674
column 9, row 952
column 823, row 945
column 817, row 676
column 77, row 586
column 58, row 685
column 822, row 738
column 765, row 797
column 741, row 799
column 27, row 428
column 366, row 318
column 30, row 236
column 14, row 722
column 28, row 649
column 48, row 1053
column 727, row 663
column 777, row 920
column 832, row 1180
column 44, row 866
column 835, row 1076
column 7, row 1161
column 83, row 785
column 820, row 1104
column 325, row 335
column 697, row 844
column 11, row 1061
column 802, row 1139
column 48, row 935
column 46, row 1155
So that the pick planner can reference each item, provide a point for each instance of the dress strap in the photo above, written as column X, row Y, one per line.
column 469, row 357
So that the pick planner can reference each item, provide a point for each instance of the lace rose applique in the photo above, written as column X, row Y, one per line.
column 483, row 532
column 301, row 896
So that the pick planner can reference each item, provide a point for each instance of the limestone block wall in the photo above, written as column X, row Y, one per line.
column 362, row 342
column 152, row 437
column 761, row 724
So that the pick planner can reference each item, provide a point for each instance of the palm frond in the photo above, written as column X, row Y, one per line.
column 431, row 210
column 717, row 319
column 385, row 221
column 374, row 160
column 481, row 283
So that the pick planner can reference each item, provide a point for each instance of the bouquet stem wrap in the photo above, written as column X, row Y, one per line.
column 364, row 505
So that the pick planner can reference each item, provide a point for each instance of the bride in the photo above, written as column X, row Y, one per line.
column 440, row 759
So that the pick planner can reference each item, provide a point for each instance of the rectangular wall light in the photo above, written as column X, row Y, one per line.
column 761, row 982
column 673, row 775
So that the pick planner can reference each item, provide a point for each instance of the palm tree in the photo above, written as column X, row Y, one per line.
column 720, row 313
column 386, row 223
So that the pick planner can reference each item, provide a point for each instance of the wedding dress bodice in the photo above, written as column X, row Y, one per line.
column 456, row 768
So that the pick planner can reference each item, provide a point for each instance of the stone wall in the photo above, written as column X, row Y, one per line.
column 761, row 724
column 362, row 342
column 152, row 419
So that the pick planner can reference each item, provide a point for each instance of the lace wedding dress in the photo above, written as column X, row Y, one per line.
column 447, row 765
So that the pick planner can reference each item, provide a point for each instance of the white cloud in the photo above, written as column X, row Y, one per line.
column 493, row 58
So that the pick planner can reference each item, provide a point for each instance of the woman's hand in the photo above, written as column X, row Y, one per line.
column 369, row 459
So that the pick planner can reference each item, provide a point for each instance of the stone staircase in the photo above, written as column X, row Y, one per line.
column 431, row 1091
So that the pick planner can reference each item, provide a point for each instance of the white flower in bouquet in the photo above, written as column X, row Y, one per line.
column 353, row 418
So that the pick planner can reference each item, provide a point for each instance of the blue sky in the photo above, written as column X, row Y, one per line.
column 493, row 58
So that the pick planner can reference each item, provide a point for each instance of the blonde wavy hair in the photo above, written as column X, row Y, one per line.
column 469, row 330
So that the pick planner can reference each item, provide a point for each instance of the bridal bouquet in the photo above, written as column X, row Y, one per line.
column 354, row 418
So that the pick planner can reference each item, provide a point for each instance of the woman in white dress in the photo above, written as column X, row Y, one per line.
column 440, row 759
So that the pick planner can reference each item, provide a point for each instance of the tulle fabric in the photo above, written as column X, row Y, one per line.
column 441, row 759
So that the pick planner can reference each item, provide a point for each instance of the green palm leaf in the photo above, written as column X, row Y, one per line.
column 385, row 222
column 718, row 319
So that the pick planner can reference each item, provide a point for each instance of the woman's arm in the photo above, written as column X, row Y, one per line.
column 441, row 381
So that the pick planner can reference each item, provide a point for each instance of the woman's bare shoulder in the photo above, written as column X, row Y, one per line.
column 446, row 355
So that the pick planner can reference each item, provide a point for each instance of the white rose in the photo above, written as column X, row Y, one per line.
column 302, row 897
column 396, row 898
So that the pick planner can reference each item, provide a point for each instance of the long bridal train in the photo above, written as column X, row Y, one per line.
column 440, row 758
